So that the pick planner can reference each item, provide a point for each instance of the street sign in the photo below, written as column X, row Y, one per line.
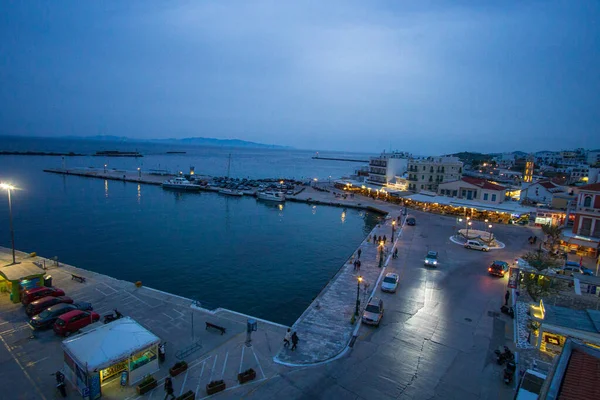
column 513, row 278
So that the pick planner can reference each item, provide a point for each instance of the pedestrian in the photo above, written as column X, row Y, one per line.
column 358, row 265
column 379, row 241
column 169, row 388
column 359, row 253
column 287, row 338
column 294, row 341
column 396, row 252
column 355, row 264
column 530, row 240
column 506, row 297
column 534, row 239
column 384, row 239
column 398, row 219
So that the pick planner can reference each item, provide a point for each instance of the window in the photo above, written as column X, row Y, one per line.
column 442, row 192
column 421, row 186
column 423, row 177
column 454, row 193
column 485, row 196
column 493, row 197
column 586, row 227
column 587, row 202
column 423, row 168
column 464, row 193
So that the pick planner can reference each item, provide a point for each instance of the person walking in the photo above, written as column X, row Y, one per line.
column 287, row 338
column 355, row 264
column 506, row 297
column 294, row 341
column 396, row 252
column 359, row 253
column 384, row 239
column 358, row 265
column 169, row 388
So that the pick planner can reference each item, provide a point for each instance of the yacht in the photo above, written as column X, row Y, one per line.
column 271, row 196
column 231, row 192
column 180, row 184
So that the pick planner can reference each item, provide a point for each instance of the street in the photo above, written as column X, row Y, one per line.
column 438, row 332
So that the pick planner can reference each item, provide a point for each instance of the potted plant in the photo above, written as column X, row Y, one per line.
column 146, row 385
column 215, row 387
column 178, row 368
column 189, row 395
column 246, row 375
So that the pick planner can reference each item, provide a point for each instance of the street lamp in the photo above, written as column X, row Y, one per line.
column 491, row 234
column 139, row 172
column 468, row 225
column 381, row 254
column 104, row 168
column 393, row 230
column 8, row 188
column 358, row 281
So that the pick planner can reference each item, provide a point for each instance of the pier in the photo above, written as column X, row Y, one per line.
column 339, row 159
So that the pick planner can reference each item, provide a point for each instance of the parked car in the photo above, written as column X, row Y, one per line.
column 498, row 268
column 48, row 317
column 476, row 245
column 584, row 270
column 74, row 321
column 431, row 258
column 373, row 312
column 569, row 270
column 411, row 220
column 36, row 307
column 390, row 283
column 37, row 293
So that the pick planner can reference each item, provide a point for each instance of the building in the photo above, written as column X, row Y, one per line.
column 578, row 173
column 476, row 189
column 541, row 191
column 384, row 168
column 574, row 375
column 593, row 157
column 428, row 173
column 585, row 236
column 16, row 278
column 547, row 157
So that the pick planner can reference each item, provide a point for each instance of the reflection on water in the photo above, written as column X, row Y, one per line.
column 139, row 193
column 343, row 216
column 106, row 188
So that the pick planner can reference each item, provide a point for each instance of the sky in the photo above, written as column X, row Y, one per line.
column 428, row 77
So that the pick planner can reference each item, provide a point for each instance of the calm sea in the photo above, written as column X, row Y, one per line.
column 236, row 253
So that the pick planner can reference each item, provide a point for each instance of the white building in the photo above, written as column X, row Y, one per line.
column 428, row 173
column 541, row 191
column 384, row 168
column 547, row 157
column 593, row 157
column 476, row 189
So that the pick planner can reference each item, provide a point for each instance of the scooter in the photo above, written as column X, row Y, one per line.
column 60, row 383
column 508, row 310
column 504, row 356
column 110, row 317
column 161, row 352
column 509, row 372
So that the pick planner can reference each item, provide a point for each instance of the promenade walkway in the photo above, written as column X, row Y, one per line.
column 325, row 328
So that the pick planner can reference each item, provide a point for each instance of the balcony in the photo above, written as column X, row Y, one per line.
column 588, row 210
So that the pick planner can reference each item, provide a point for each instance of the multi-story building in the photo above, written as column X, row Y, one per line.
column 475, row 189
column 593, row 157
column 384, row 168
column 585, row 236
column 428, row 173
column 541, row 191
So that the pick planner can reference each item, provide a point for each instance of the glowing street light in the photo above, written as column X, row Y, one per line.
column 468, row 225
column 105, row 168
column 139, row 172
column 381, row 254
column 8, row 188
column 358, row 281
column 393, row 230
column 491, row 234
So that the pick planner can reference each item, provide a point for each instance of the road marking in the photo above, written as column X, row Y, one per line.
column 31, row 364
column 259, row 366
column 213, row 367
column 200, row 378
column 224, row 365
column 184, row 379
column 168, row 316
column 23, row 369
column 242, row 360
column 137, row 298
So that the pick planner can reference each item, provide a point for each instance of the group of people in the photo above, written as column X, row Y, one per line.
column 290, row 337
column 379, row 239
column 532, row 239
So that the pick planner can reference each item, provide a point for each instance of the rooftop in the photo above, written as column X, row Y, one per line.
column 482, row 183
column 593, row 187
column 580, row 380
column 508, row 206
column 582, row 320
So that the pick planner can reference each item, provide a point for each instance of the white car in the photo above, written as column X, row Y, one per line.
column 390, row 283
column 475, row 245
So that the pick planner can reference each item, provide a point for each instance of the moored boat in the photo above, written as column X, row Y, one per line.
column 231, row 192
column 180, row 184
column 271, row 196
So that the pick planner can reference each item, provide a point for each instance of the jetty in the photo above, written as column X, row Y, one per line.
column 38, row 153
column 339, row 159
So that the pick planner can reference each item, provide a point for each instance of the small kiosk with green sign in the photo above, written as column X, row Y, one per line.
column 16, row 278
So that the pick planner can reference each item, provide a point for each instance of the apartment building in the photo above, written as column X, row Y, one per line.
column 384, row 168
column 586, row 227
column 428, row 173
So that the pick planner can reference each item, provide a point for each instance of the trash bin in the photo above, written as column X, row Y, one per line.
column 48, row 280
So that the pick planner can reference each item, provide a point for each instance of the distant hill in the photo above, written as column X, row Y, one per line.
column 194, row 141
column 468, row 156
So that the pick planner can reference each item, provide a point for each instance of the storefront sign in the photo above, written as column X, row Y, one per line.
column 113, row 370
column 513, row 278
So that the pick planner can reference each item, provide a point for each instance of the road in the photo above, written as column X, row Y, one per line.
column 438, row 333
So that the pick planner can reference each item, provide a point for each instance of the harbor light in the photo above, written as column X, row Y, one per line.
column 105, row 168
column 139, row 172
column 8, row 187
column 281, row 182
column 358, row 281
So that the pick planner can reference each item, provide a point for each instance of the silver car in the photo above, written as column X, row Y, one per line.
column 373, row 312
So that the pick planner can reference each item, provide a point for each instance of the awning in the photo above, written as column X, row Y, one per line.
column 20, row 271
column 109, row 344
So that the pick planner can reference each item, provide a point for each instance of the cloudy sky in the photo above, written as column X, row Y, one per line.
column 424, row 76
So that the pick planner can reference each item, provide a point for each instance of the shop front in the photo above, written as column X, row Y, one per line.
column 14, row 279
column 122, row 350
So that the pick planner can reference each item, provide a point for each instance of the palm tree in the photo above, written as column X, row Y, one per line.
column 553, row 234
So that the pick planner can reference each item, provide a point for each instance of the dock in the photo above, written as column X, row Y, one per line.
column 339, row 159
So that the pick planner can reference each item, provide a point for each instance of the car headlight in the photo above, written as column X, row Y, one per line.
column 435, row 262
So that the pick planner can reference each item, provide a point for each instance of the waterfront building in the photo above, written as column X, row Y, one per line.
column 427, row 173
column 541, row 191
column 476, row 189
column 593, row 157
column 384, row 168
column 584, row 238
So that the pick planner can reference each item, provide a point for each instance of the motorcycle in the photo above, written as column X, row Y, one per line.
column 509, row 372
column 508, row 310
column 504, row 355
column 60, row 383
column 162, row 352
column 110, row 317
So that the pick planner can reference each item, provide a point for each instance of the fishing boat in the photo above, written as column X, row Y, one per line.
column 230, row 192
column 271, row 196
column 180, row 184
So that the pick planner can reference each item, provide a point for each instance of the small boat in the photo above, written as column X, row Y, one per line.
column 231, row 192
column 271, row 196
column 180, row 184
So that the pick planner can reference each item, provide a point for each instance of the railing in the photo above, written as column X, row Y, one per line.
column 589, row 210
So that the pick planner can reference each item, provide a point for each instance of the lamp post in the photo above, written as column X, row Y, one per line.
column 393, row 230
column 491, row 234
column 139, row 172
column 8, row 188
column 104, row 168
column 381, row 254
column 358, row 281
column 468, row 225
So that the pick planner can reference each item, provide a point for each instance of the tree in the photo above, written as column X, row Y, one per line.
column 538, row 285
column 553, row 232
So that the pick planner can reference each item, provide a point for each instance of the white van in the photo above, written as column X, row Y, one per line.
column 476, row 245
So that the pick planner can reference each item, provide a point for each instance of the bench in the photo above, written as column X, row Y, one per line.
column 217, row 327
column 77, row 278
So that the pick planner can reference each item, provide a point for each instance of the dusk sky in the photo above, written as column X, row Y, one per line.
column 428, row 77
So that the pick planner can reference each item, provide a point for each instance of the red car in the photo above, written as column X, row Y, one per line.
column 36, row 307
column 31, row 295
column 74, row 321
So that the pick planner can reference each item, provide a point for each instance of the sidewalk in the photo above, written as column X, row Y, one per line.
column 325, row 328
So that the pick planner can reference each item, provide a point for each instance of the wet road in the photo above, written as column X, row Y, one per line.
column 438, row 333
